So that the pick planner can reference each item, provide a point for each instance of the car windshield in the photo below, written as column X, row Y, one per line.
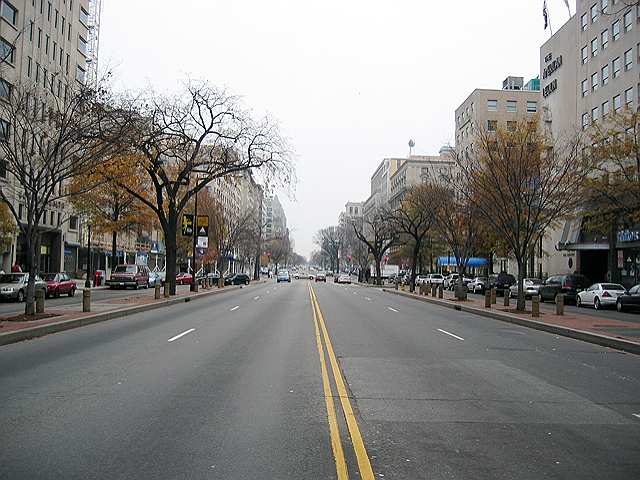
column 49, row 277
column 612, row 286
column 12, row 278
column 125, row 269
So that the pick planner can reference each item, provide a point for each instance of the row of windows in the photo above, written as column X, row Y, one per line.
column 602, row 77
column 601, row 111
column 595, row 10
column 512, row 106
column 593, row 48
column 492, row 125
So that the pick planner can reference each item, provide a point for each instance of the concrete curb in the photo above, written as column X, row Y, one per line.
column 42, row 330
column 590, row 337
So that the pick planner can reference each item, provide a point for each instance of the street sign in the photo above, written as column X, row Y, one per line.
column 203, row 225
column 201, row 252
column 203, row 242
column 187, row 225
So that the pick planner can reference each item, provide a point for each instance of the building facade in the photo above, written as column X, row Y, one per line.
column 275, row 220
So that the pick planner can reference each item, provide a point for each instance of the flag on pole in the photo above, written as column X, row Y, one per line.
column 545, row 14
column 566, row 2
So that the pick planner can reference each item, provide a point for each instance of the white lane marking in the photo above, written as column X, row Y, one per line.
column 257, row 297
column 235, row 308
column 267, row 291
column 637, row 415
column 451, row 334
column 367, row 299
column 355, row 293
column 392, row 309
column 181, row 334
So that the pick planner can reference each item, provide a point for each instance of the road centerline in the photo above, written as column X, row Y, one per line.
column 235, row 308
column 181, row 334
column 392, row 309
column 450, row 334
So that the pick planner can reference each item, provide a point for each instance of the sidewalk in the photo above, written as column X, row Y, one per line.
column 591, row 328
column 72, row 316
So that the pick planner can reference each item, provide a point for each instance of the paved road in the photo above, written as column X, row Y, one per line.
column 231, row 387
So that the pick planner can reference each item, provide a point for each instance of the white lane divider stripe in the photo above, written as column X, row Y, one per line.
column 181, row 334
column 235, row 308
column 392, row 309
column 637, row 415
column 257, row 297
column 367, row 299
column 451, row 334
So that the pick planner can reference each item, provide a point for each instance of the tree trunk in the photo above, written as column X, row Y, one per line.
column 613, row 259
column 414, row 263
column 33, row 246
column 171, row 246
column 114, row 250
column 521, row 304
column 378, row 270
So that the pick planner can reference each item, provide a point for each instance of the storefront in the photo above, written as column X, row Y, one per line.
column 475, row 265
column 50, row 255
column 628, row 256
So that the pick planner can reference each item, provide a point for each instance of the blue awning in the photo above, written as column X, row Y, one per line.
column 473, row 262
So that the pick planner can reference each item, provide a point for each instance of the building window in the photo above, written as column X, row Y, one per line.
column 8, row 12
column 82, row 45
column 492, row 105
column 628, row 97
column 605, row 75
column 39, row 37
column 594, row 12
column 584, row 52
column 628, row 59
column 69, row 32
column 84, row 17
column 5, row 89
column 37, row 72
column 31, row 31
column 617, row 103
column 585, row 120
column 55, row 49
column 49, row 12
column 492, row 125
column 605, row 108
column 594, row 47
column 29, row 67
column 615, row 30
column 51, row 217
column 604, row 39
column 20, row 211
column 511, row 106
column 594, row 114
column 80, row 74
column 532, row 106
column 5, row 129
column 585, row 87
column 628, row 24
column 594, row 81
column 511, row 126
column 605, row 6
column 584, row 21
column 55, row 23
column 3, row 169
column 616, row 67
column 62, row 26
column 7, row 51
column 60, row 56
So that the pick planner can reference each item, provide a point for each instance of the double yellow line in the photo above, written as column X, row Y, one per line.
column 364, row 465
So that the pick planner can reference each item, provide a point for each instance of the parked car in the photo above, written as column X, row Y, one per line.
column 237, row 279
column 477, row 285
column 435, row 278
column 321, row 277
column 629, row 300
column 450, row 281
column 344, row 278
column 13, row 286
column 600, row 295
column 283, row 276
column 125, row 276
column 213, row 276
column 184, row 278
column 59, row 284
column 421, row 279
column 155, row 279
column 531, row 287
column 569, row 285
column 502, row 282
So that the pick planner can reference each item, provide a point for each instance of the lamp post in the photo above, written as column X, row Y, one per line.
column 194, row 283
column 87, row 282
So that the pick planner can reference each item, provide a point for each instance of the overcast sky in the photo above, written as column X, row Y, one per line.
column 350, row 81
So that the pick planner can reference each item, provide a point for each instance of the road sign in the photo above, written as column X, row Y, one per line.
column 201, row 252
column 203, row 225
column 187, row 225
column 203, row 242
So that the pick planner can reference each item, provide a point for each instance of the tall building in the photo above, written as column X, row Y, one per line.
column 589, row 68
column 275, row 220
column 52, row 43
column 381, row 184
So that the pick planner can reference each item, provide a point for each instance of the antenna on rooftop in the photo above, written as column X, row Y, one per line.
column 411, row 145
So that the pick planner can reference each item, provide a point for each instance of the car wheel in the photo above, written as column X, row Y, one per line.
column 20, row 297
column 72, row 292
column 619, row 306
column 578, row 301
column 596, row 303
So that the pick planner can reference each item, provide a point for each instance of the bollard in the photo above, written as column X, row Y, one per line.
column 157, row 291
column 494, row 294
column 166, row 290
column 39, row 301
column 440, row 291
column 487, row 299
column 86, row 300
column 560, row 304
column 507, row 296
column 434, row 290
column 221, row 282
column 535, row 306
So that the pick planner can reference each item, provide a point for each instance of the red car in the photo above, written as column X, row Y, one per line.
column 59, row 284
column 184, row 278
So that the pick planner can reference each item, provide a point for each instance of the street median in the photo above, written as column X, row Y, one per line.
column 556, row 327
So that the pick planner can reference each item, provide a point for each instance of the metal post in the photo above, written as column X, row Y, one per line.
column 535, row 306
column 167, row 293
column 157, row 292
column 440, row 291
column 86, row 300
column 494, row 294
column 87, row 282
column 560, row 304
column 487, row 299
column 507, row 296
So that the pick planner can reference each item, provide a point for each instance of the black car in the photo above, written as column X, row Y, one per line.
column 629, row 300
column 237, row 279
column 502, row 282
column 569, row 285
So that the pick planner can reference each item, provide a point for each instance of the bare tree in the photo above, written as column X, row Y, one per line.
column 331, row 240
column 522, row 183
column 279, row 250
column 50, row 134
column 377, row 232
column 357, row 250
column 188, row 140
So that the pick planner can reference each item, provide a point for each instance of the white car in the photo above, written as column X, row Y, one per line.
column 450, row 280
column 600, row 295
column 435, row 278
column 344, row 278
column 477, row 284
column 421, row 279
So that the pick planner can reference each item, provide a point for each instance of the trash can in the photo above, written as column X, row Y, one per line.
column 98, row 278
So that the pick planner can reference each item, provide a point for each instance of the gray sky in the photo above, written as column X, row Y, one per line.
column 350, row 81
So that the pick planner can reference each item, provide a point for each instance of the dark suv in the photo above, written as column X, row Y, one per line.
column 237, row 279
column 502, row 282
column 569, row 285
column 124, row 276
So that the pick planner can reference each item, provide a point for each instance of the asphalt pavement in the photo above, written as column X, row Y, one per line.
column 233, row 387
